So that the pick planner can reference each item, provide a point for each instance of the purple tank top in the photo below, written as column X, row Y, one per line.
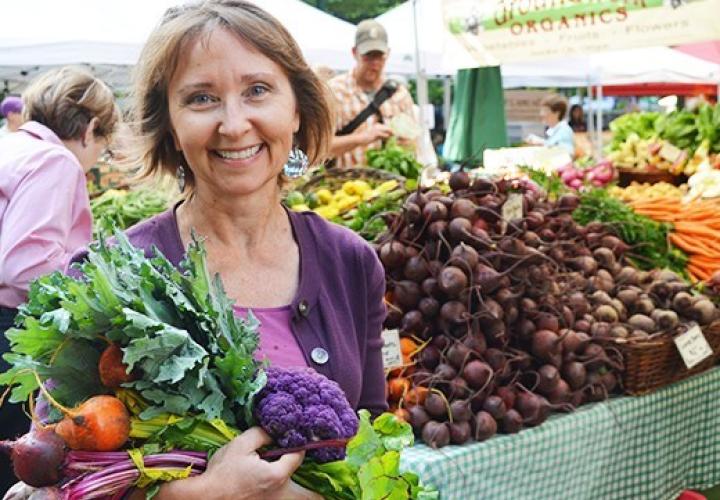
column 277, row 342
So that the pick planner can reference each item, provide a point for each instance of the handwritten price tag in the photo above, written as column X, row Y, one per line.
column 392, row 356
column 512, row 209
column 669, row 152
column 693, row 347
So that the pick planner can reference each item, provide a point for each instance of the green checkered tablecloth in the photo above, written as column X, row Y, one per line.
column 649, row 447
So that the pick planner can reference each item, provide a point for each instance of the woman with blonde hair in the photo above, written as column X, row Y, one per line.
column 225, row 103
column 68, row 119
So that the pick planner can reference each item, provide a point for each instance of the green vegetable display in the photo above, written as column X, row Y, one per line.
column 122, row 209
column 642, row 124
column 394, row 158
column 651, row 249
column 683, row 129
column 366, row 219
column 679, row 128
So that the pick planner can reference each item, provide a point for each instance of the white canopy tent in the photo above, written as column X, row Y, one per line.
column 440, row 54
column 108, row 35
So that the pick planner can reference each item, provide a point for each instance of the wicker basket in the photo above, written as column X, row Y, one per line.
column 334, row 178
column 653, row 176
column 654, row 363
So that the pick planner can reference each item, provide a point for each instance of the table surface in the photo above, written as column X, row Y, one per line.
column 648, row 447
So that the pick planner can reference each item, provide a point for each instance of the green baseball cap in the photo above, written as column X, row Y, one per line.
column 370, row 36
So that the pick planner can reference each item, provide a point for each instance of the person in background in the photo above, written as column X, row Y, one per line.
column 355, row 90
column 325, row 73
column 577, row 119
column 558, row 133
column 68, row 119
column 11, row 109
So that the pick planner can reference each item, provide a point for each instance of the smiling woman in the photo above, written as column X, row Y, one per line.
column 222, row 96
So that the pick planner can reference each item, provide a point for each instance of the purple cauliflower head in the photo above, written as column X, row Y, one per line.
column 298, row 406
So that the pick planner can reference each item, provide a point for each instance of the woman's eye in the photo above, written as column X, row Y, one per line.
column 258, row 90
column 200, row 99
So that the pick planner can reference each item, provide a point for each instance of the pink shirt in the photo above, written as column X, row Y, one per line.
column 44, row 209
column 277, row 342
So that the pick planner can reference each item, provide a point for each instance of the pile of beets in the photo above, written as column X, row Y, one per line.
column 499, row 307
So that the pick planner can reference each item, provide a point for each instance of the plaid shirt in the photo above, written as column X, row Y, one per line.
column 351, row 100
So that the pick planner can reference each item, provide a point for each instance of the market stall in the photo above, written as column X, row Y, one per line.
column 549, row 332
column 653, row 446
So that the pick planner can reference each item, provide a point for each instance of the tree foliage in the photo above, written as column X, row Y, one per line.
column 354, row 11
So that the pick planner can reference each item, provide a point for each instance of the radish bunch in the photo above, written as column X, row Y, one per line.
column 598, row 175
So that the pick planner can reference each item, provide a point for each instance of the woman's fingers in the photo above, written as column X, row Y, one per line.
column 251, row 440
column 288, row 463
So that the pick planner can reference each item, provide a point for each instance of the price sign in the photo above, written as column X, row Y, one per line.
column 391, row 353
column 693, row 346
column 512, row 209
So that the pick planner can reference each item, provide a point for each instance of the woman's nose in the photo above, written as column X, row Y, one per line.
column 234, row 120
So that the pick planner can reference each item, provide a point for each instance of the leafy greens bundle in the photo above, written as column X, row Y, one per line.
column 193, row 355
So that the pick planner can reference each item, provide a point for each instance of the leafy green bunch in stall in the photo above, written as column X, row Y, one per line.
column 683, row 129
column 393, row 157
column 648, row 238
column 122, row 208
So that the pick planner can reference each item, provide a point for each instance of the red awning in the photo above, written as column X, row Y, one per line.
column 661, row 89
column 710, row 51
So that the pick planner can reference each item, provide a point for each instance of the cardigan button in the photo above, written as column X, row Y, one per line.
column 320, row 355
column 303, row 308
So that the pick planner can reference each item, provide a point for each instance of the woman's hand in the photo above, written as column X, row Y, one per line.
column 236, row 471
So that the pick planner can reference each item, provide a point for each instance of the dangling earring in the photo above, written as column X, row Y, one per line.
column 180, row 175
column 297, row 163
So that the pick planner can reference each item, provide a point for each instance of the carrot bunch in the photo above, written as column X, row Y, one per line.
column 696, row 230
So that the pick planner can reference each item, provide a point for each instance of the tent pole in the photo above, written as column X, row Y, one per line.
column 447, row 96
column 590, row 116
column 421, row 82
column 599, row 122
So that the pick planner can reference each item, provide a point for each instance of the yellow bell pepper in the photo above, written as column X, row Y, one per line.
column 327, row 212
column 324, row 195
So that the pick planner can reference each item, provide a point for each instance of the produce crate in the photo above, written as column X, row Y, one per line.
column 654, row 363
column 334, row 178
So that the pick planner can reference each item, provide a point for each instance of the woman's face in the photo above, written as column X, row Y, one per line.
column 233, row 114
column 548, row 116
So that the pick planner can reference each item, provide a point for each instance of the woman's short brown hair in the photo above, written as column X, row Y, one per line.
column 66, row 99
column 557, row 104
column 155, row 148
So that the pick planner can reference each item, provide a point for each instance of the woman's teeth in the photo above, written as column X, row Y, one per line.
column 242, row 154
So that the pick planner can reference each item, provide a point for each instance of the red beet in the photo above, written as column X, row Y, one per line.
column 37, row 457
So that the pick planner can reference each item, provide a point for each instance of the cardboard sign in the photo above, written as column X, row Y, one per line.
column 524, row 105
column 512, row 209
column 391, row 353
column 693, row 346
column 669, row 152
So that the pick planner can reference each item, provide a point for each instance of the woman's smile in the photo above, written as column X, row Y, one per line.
column 239, row 157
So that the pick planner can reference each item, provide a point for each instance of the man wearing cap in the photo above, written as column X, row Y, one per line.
column 11, row 110
column 355, row 90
